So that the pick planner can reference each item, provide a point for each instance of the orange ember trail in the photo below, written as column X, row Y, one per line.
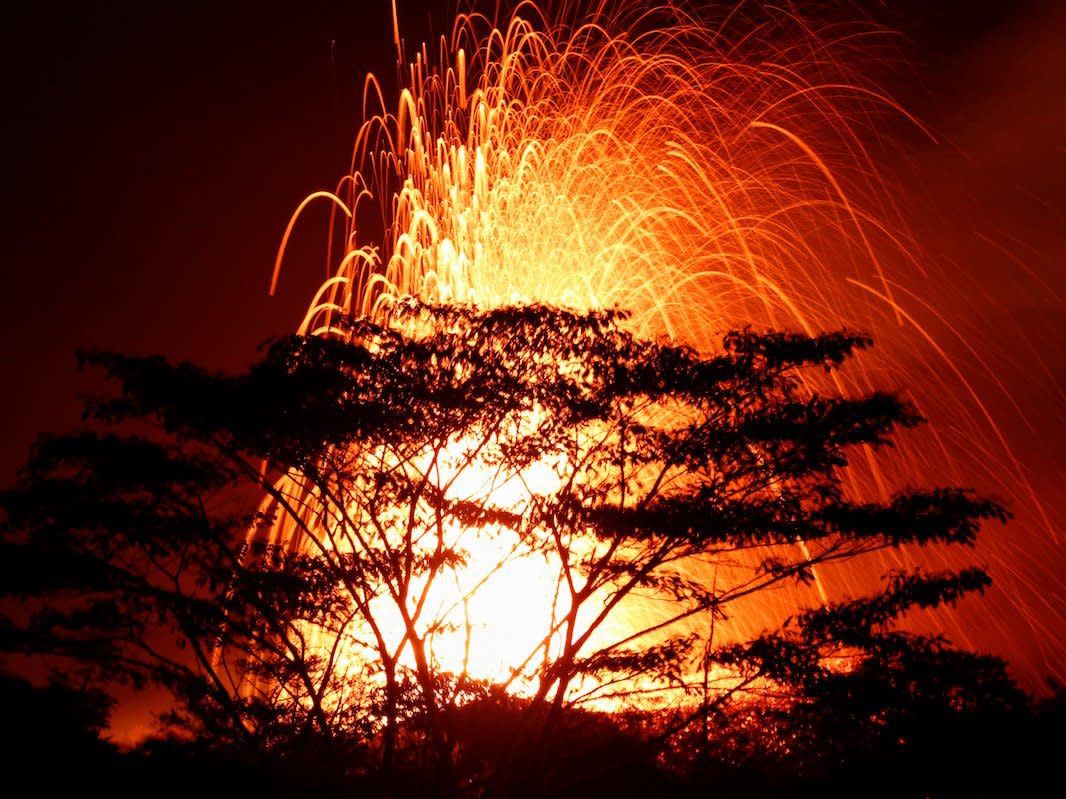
column 706, row 171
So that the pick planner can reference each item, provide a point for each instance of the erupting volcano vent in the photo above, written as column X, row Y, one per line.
column 704, row 171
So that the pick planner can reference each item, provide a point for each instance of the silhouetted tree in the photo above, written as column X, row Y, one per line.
column 855, row 703
column 51, row 724
column 388, row 454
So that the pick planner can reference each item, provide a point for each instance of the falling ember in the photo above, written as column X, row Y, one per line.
column 704, row 171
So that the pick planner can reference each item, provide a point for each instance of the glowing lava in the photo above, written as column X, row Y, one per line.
column 706, row 171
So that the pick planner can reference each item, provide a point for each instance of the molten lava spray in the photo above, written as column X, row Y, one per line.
column 706, row 171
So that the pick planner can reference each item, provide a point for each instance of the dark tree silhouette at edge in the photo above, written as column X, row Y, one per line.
column 127, row 544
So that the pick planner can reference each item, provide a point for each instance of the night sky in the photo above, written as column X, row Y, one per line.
column 154, row 153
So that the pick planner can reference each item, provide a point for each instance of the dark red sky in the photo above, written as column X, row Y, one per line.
column 151, row 161
column 154, row 153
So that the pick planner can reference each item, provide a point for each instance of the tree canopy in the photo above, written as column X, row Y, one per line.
column 297, row 552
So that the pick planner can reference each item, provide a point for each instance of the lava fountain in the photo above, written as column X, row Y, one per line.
column 705, row 170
